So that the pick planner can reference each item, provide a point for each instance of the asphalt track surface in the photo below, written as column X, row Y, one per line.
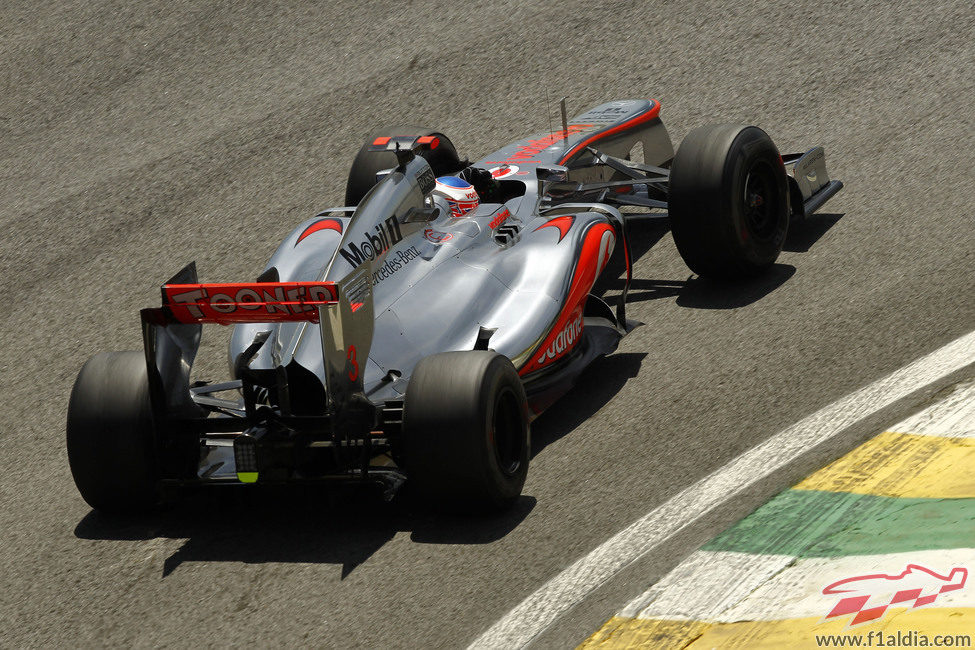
column 137, row 137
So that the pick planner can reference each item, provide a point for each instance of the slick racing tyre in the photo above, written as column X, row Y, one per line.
column 728, row 201
column 465, row 431
column 443, row 160
column 111, row 446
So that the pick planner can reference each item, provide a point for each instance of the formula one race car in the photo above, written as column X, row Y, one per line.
column 390, row 340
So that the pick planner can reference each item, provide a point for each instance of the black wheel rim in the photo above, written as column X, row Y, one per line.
column 507, row 437
column 761, row 205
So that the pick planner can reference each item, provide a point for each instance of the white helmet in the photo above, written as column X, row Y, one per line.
column 459, row 194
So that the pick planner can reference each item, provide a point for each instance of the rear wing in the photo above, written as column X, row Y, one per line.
column 172, row 333
column 257, row 302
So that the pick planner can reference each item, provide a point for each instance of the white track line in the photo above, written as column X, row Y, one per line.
column 706, row 584
column 539, row 610
column 953, row 417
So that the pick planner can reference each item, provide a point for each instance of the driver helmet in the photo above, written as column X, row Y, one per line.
column 460, row 195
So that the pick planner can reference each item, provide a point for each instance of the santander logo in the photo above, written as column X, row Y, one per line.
column 566, row 339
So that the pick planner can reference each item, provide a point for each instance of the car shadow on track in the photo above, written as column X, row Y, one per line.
column 593, row 390
column 315, row 525
column 810, row 230
column 701, row 293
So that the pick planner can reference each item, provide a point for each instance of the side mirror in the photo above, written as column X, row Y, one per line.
column 552, row 173
column 550, row 177
column 380, row 175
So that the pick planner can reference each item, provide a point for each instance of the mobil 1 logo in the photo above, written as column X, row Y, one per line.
column 374, row 244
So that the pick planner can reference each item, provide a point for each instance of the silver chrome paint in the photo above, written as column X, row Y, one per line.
column 433, row 296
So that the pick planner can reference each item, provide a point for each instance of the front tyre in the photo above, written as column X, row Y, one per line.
column 728, row 201
column 111, row 446
column 466, row 431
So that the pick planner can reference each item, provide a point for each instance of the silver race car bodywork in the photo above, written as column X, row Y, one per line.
column 326, row 341
column 509, row 267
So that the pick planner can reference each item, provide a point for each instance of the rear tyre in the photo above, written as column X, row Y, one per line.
column 443, row 160
column 728, row 201
column 111, row 446
column 466, row 431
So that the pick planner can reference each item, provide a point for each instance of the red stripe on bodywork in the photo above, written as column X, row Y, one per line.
column 654, row 112
column 381, row 141
column 582, row 281
column 324, row 224
column 562, row 223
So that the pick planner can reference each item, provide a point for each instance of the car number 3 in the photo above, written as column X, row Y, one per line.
column 354, row 373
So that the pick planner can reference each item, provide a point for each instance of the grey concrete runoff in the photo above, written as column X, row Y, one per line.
column 137, row 137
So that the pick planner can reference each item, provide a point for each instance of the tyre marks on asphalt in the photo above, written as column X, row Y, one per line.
column 903, row 465
column 899, row 506
column 545, row 606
